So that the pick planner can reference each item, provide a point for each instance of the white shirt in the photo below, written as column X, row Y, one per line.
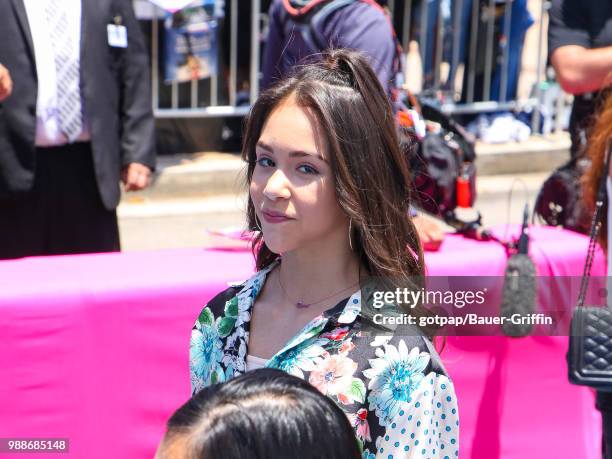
column 48, row 131
column 253, row 363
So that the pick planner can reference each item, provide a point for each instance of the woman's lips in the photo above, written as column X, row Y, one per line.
column 274, row 217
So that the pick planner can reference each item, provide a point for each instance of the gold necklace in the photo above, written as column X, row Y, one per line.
column 301, row 304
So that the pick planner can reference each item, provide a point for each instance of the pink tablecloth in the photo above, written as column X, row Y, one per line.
column 94, row 348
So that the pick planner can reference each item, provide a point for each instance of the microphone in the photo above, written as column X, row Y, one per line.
column 519, row 290
column 523, row 242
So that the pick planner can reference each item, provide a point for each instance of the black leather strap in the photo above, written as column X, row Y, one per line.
column 595, row 226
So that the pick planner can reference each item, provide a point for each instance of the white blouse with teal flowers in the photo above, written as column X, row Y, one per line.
column 393, row 388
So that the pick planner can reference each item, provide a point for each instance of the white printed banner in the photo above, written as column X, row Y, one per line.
column 172, row 5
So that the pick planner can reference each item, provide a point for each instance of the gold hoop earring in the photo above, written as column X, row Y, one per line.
column 349, row 234
column 258, row 225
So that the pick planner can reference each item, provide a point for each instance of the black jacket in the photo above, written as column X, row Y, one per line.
column 116, row 91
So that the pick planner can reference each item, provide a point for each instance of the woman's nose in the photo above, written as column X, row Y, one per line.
column 277, row 186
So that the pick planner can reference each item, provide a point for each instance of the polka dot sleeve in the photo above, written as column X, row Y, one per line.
column 426, row 428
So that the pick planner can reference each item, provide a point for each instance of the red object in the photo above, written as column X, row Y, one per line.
column 404, row 119
column 464, row 195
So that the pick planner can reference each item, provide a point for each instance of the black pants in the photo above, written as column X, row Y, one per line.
column 62, row 213
column 604, row 405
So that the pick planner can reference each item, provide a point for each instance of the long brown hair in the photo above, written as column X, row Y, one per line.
column 600, row 135
column 372, row 180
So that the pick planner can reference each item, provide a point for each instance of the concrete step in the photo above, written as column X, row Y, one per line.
column 198, row 174
column 212, row 174
column 153, row 208
column 519, row 185
column 538, row 154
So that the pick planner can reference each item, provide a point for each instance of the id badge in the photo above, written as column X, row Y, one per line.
column 117, row 36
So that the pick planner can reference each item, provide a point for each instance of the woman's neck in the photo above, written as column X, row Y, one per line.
column 310, row 275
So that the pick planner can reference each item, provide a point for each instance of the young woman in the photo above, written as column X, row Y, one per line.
column 263, row 414
column 328, row 196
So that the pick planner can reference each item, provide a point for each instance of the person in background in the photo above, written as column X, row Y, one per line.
column 300, row 28
column 263, row 414
column 328, row 193
column 601, row 136
column 75, row 119
column 580, row 51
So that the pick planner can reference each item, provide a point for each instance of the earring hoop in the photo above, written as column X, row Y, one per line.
column 258, row 225
column 349, row 234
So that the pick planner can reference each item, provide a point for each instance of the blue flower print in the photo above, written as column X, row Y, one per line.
column 205, row 352
column 368, row 455
column 394, row 375
column 303, row 357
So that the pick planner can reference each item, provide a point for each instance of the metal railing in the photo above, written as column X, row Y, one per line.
column 195, row 107
column 466, row 93
column 465, row 52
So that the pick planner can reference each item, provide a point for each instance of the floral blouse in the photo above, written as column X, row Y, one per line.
column 393, row 388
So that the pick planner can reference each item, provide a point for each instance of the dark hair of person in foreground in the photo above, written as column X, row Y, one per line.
column 263, row 414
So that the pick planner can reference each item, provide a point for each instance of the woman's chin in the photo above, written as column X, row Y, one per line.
column 277, row 245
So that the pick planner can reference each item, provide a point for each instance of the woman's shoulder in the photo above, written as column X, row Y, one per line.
column 237, row 297
column 217, row 304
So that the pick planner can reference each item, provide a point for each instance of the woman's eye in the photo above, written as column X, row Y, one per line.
column 306, row 169
column 265, row 162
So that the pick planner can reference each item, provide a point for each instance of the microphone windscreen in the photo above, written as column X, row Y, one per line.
column 518, row 295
